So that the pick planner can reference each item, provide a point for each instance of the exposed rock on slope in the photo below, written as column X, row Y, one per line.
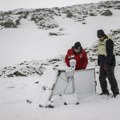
column 45, row 18
column 36, row 67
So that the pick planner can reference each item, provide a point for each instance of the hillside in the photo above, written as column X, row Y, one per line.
column 34, row 41
column 54, row 22
column 45, row 18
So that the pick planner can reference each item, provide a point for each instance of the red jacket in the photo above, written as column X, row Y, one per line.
column 81, row 58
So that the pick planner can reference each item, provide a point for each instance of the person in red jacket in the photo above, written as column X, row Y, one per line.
column 77, row 53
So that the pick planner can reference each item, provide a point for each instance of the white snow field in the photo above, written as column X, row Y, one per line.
column 29, row 43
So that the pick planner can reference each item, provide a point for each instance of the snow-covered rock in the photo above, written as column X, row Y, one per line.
column 45, row 18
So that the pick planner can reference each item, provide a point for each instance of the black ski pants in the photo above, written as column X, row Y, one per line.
column 108, row 72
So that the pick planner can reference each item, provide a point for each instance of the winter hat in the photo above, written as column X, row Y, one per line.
column 100, row 33
column 77, row 45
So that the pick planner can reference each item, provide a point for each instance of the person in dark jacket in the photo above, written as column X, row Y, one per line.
column 77, row 53
column 107, row 62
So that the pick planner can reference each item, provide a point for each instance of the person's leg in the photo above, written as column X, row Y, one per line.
column 112, row 80
column 103, row 82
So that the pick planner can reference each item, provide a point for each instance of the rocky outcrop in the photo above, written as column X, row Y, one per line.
column 45, row 18
column 106, row 13
column 29, row 68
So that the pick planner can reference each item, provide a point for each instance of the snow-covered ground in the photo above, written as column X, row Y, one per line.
column 28, row 43
column 15, row 91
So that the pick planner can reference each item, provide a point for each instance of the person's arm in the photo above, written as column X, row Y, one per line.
column 85, row 61
column 109, row 50
column 67, row 59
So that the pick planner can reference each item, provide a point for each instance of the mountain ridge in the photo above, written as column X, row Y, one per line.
column 44, row 17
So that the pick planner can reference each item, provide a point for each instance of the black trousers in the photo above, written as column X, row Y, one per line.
column 108, row 72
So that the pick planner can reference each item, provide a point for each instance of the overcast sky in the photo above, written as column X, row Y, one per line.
column 14, row 4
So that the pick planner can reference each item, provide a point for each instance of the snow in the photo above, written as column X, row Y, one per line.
column 30, row 43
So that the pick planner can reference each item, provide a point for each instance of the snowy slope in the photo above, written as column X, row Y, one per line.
column 27, row 46
column 74, row 23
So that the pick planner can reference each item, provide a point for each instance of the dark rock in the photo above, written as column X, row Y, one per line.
column 106, row 13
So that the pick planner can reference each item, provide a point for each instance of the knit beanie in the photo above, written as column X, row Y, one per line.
column 77, row 45
column 100, row 33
